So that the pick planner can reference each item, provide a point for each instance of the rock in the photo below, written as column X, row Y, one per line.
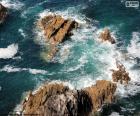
column 3, row 13
column 58, row 100
column 120, row 75
column 56, row 29
column 101, row 93
column 36, row 103
column 106, row 36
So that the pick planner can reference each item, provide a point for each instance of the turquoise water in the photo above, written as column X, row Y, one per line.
column 81, row 60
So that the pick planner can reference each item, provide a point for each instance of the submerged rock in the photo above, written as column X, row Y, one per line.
column 3, row 13
column 56, row 29
column 120, row 75
column 58, row 100
column 106, row 36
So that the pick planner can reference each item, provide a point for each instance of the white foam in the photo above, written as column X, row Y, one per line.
column 71, row 12
column 82, row 61
column 134, row 47
column 12, row 4
column 39, row 87
column 115, row 114
column 10, row 69
column 65, row 52
column 9, row 52
column 83, row 81
column 36, row 71
column 22, row 32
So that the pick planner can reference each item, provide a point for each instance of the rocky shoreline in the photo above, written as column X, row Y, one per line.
column 3, row 13
column 58, row 100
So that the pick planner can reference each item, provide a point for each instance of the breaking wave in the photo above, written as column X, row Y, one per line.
column 9, row 52
column 134, row 47
column 12, row 4
column 10, row 69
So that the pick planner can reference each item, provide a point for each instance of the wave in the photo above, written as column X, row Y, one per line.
column 10, row 69
column 134, row 47
column 12, row 4
column 9, row 52
column 70, row 12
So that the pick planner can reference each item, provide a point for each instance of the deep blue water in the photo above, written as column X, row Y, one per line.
column 85, row 60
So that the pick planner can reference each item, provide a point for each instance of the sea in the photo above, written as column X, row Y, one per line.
column 80, row 61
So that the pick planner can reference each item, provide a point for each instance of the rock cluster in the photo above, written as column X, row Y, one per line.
column 120, row 75
column 56, row 29
column 58, row 100
column 106, row 36
column 3, row 13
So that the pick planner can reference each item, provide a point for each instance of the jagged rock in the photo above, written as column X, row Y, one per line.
column 59, row 100
column 3, row 13
column 120, row 74
column 35, row 104
column 56, row 29
column 101, row 93
column 106, row 36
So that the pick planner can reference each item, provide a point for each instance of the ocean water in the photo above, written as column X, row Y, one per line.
column 81, row 60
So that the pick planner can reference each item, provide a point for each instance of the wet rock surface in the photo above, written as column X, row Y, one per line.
column 120, row 75
column 56, row 29
column 106, row 36
column 3, row 13
column 58, row 100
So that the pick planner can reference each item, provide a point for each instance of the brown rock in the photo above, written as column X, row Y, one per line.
column 101, row 93
column 36, row 102
column 106, row 36
column 120, row 75
column 59, row 100
column 3, row 13
column 56, row 29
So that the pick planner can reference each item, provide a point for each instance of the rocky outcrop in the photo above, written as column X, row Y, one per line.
column 101, row 93
column 106, row 36
column 120, row 75
column 58, row 100
column 56, row 29
column 3, row 13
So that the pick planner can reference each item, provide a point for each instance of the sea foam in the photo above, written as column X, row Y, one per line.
column 12, row 4
column 134, row 47
column 9, row 52
column 10, row 69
